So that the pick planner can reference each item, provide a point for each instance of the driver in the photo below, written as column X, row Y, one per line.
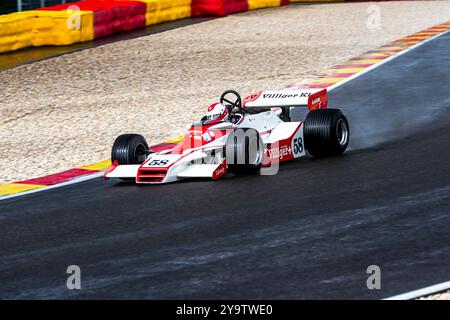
column 217, row 112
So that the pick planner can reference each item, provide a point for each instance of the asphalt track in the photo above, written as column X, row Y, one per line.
column 308, row 232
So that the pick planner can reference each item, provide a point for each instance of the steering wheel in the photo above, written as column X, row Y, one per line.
column 232, row 101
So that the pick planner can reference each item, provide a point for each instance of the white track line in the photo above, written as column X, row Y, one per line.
column 422, row 292
column 62, row 184
column 334, row 86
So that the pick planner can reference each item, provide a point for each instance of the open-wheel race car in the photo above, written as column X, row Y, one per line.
column 240, row 137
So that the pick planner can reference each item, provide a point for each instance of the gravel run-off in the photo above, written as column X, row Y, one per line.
column 438, row 296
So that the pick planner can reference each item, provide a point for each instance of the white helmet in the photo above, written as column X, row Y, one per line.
column 217, row 112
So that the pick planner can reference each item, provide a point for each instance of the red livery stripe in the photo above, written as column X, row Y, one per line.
column 163, row 146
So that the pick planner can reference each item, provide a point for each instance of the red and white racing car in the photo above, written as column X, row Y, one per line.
column 237, row 136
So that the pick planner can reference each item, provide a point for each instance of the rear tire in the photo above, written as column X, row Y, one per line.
column 326, row 132
column 244, row 151
column 129, row 149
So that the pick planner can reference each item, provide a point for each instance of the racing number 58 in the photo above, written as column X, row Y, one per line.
column 158, row 162
column 298, row 145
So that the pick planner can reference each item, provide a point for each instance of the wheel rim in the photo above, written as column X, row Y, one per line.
column 139, row 155
column 244, row 149
column 256, row 158
column 342, row 132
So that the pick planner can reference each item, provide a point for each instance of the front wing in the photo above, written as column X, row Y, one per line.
column 154, row 170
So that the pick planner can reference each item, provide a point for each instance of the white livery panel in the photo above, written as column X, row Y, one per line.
column 301, row 97
column 123, row 171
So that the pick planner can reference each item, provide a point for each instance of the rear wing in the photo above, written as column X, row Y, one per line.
column 287, row 98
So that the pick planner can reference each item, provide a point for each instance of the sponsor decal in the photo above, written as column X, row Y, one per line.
column 211, row 107
column 206, row 136
column 196, row 132
column 285, row 96
column 220, row 171
column 316, row 100
column 280, row 152
column 251, row 98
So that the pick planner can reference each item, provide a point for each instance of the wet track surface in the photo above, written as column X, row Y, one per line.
column 310, row 231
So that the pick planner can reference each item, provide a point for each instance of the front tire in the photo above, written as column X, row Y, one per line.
column 326, row 132
column 129, row 149
column 244, row 151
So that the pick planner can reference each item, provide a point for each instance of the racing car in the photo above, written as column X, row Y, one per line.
column 239, row 137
